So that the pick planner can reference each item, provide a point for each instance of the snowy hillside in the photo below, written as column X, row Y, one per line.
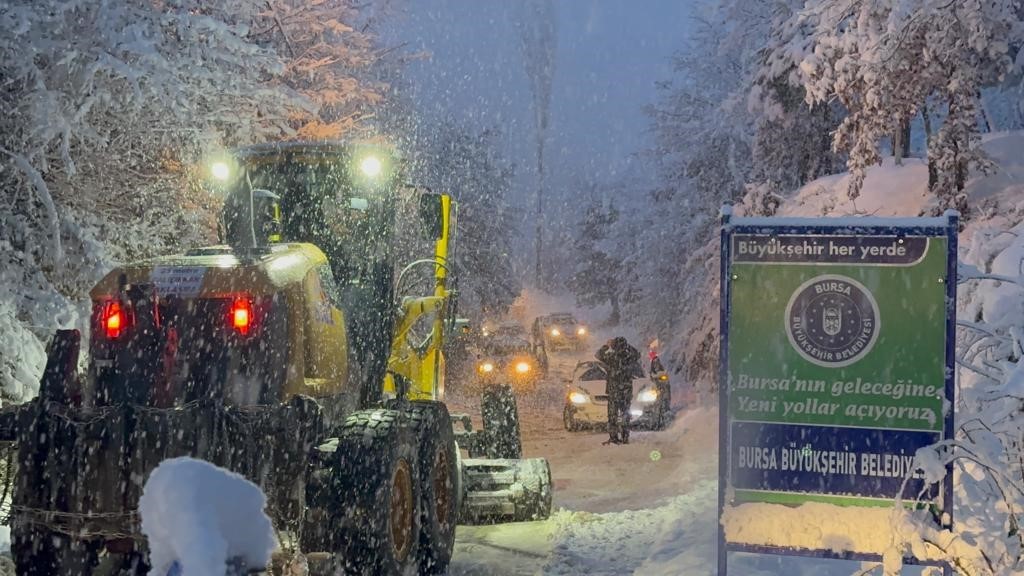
column 989, row 420
column 889, row 190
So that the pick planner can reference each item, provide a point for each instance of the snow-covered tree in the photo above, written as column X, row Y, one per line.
column 106, row 108
column 883, row 59
column 465, row 162
column 598, row 276
column 330, row 50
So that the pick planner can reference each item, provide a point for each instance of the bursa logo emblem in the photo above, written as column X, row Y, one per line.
column 832, row 320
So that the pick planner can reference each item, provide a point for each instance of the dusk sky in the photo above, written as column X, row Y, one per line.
column 609, row 55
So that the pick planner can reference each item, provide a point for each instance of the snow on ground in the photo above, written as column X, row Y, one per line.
column 891, row 190
column 197, row 516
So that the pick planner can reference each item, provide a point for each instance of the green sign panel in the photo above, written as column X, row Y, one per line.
column 836, row 363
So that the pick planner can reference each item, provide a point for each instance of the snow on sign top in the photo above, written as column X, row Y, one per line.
column 843, row 222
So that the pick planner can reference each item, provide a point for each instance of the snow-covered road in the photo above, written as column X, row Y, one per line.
column 647, row 507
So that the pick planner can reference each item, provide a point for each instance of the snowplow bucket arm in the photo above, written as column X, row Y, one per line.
column 416, row 361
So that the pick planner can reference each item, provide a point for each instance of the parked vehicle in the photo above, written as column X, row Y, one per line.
column 586, row 398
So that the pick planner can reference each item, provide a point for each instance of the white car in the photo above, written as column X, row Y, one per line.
column 586, row 400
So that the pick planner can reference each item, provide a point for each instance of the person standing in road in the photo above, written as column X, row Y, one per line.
column 620, row 360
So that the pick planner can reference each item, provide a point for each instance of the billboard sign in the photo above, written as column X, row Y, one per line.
column 837, row 358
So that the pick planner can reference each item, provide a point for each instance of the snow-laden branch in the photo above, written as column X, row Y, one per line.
column 967, row 272
column 46, row 199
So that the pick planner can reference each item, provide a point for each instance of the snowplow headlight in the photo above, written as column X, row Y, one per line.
column 371, row 166
column 578, row 398
column 663, row 377
column 487, row 367
column 581, row 331
column 556, row 332
column 523, row 367
column 647, row 396
column 220, row 170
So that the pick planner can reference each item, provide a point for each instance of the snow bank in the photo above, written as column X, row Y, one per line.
column 813, row 526
column 35, row 300
column 891, row 190
column 199, row 516
column 620, row 542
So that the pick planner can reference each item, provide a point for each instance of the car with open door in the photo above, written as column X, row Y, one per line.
column 586, row 398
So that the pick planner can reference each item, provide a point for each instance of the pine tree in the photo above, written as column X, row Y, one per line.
column 598, row 275
column 465, row 162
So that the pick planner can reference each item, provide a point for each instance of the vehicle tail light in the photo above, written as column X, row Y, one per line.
column 114, row 319
column 241, row 315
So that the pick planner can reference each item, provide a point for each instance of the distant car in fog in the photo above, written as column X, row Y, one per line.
column 506, row 355
column 586, row 399
column 560, row 331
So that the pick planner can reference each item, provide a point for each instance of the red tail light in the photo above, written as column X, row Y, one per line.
column 241, row 315
column 113, row 319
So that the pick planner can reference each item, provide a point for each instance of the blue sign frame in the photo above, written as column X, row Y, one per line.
column 946, row 227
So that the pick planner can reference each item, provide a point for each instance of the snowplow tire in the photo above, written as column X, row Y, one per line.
column 378, row 496
column 438, row 461
column 501, row 423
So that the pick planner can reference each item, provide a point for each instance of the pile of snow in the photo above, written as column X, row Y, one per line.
column 197, row 517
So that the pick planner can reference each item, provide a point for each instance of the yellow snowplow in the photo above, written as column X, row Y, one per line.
column 305, row 353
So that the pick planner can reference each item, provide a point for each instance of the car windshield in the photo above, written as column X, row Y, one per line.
column 562, row 321
column 506, row 346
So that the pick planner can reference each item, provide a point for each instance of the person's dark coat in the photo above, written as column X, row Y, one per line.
column 620, row 360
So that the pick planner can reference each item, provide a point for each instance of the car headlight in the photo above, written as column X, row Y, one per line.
column 523, row 367
column 581, row 331
column 647, row 396
column 578, row 398
column 556, row 332
column 487, row 367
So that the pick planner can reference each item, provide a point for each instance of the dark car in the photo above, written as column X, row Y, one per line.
column 506, row 355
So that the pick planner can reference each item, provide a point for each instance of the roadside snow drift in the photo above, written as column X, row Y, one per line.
column 199, row 516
